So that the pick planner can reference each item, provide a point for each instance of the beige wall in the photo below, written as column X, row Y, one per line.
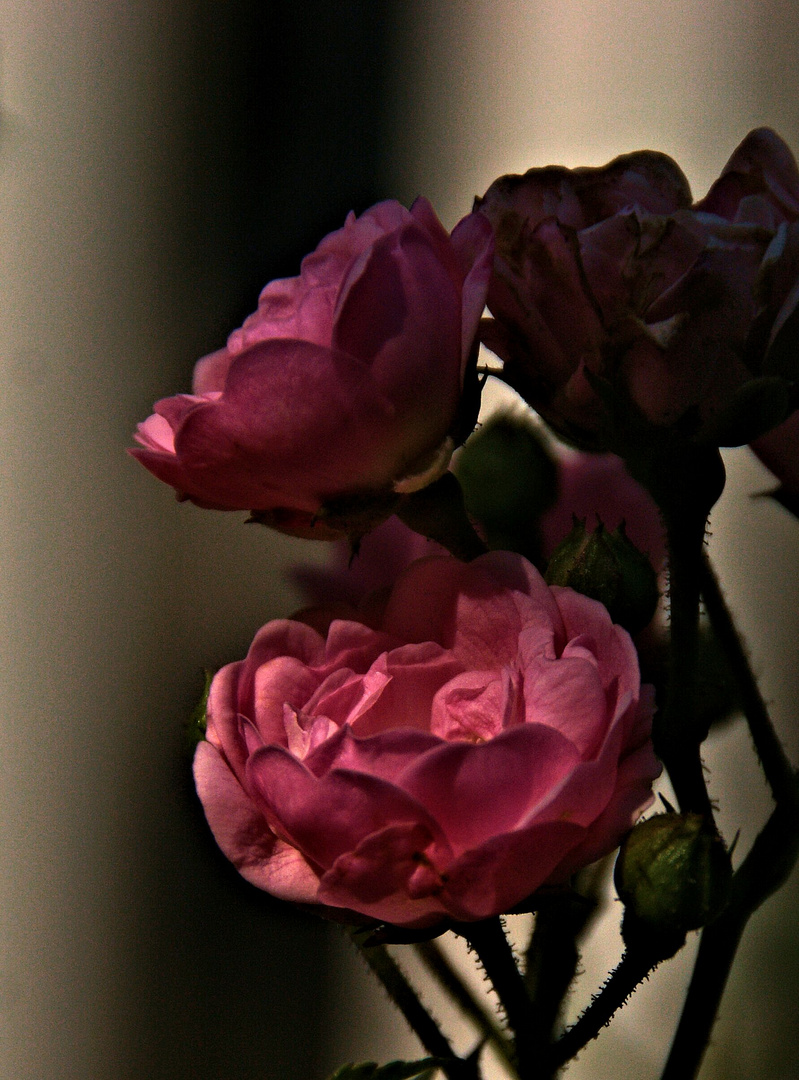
column 113, row 595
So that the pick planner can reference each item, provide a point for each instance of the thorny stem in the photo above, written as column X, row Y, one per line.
column 631, row 972
column 421, row 1022
column 684, row 481
column 488, row 940
column 763, row 871
column 773, row 759
column 552, row 959
column 436, row 962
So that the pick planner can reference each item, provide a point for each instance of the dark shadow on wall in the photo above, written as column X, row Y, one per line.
column 285, row 129
column 288, row 133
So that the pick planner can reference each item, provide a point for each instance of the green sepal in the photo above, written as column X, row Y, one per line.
column 673, row 874
column 608, row 567
column 438, row 513
column 394, row 1070
column 196, row 724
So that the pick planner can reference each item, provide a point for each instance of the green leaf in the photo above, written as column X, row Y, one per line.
column 394, row 1070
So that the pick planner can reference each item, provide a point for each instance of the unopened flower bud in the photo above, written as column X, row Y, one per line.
column 673, row 875
column 509, row 480
column 608, row 567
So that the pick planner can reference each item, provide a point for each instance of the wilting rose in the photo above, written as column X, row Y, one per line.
column 490, row 735
column 779, row 452
column 346, row 382
column 612, row 272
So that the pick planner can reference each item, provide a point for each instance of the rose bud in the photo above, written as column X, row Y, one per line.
column 594, row 486
column 345, row 389
column 608, row 567
column 673, row 875
column 619, row 307
column 485, row 736
column 509, row 479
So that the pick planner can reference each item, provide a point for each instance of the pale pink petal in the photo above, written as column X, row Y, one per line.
column 374, row 877
column 475, row 706
column 567, row 695
column 631, row 796
column 243, row 835
column 210, row 372
column 385, row 755
column 156, row 433
column 414, row 673
column 478, row 791
column 328, row 816
column 506, row 869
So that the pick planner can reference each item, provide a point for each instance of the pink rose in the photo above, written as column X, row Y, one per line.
column 598, row 487
column 346, row 381
column 490, row 736
column 381, row 557
column 612, row 272
column 591, row 487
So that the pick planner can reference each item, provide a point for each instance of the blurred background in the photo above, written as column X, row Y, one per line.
column 159, row 162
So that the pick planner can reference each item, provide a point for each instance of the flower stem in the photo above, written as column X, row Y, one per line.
column 489, row 942
column 678, row 735
column 763, row 871
column 684, row 483
column 773, row 759
column 447, row 977
column 634, row 967
column 552, row 958
column 419, row 1019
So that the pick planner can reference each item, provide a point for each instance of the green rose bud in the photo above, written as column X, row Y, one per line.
column 508, row 480
column 608, row 567
column 673, row 875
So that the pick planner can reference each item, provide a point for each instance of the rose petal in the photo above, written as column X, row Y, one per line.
column 478, row 791
column 242, row 833
column 328, row 816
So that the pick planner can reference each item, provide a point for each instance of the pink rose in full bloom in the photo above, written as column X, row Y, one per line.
column 613, row 273
column 488, row 736
column 346, row 382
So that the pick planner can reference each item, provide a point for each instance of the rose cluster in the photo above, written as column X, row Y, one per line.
column 448, row 736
